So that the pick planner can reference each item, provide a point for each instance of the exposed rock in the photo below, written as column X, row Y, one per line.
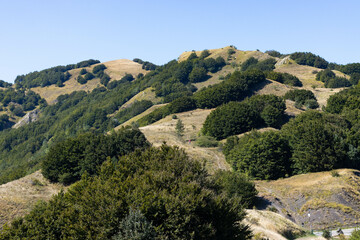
column 32, row 116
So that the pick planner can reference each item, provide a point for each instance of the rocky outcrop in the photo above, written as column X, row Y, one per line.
column 32, row 116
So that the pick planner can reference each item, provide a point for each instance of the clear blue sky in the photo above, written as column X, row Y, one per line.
column 39, row 34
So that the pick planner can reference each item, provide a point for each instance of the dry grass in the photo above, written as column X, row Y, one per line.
column 164, row 131
column 115, row 69
column 19, row 196
column 270, row 225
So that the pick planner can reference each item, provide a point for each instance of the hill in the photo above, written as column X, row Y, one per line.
column 331, row 198
column 18, row 197
column 115, row 69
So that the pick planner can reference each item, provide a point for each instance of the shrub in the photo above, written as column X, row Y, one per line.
column 311, row 104
column 204, row 54
column 98, row 68
column 206, row 141
column 307, row 58
column 88, row 76
column 231, row 51
column 83, row 71
column 299, row 95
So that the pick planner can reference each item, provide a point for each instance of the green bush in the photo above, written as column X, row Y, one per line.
column 311, row 104
column 98, row 68
column 299, row 95
column 83, row 71
column 88, row 76
column 310, row 59
column 206, row 141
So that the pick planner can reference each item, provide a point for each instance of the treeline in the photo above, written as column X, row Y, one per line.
column 309, row 59
column 145, row 64
column 55, row 75
column 133, row 110
column 235, row 88
column 154, row 194
column 239, row 117
column 5, row 84
column 330, row 80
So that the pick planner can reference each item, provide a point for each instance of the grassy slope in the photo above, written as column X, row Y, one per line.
column 115, row 69
column 331, row 201
column 19, row 196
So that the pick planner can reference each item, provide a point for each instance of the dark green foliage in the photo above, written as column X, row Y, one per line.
column 98, row 68
column 284, row 78
column 140, row 75
column 5, row 84
column 317, row 141
column 354, row 78
column 236, row 88
column 83, row 71
column 331, row 80
column 179, row 128
column 347, row 99
column 249, row 63
column 50, row 76
column 192, row 56
column 324, row 75
column 261, row 155
column 337, row 82
column 349, row 69
column 135, row 226
column 105, row 79
column 27, row 99
column 253, row 63
column 231, row 51
column 299, row 95
column 133, row 110
column 145, row 64
column 307, row 58
column 128, row 77
column 198, row 75
column 17, row 111
column 67, row 161
column 204, row 54
column 238, row 185
column 235, row 118
column 206, row 141
column 230, row 143
column 311, row 104
column 5, row 122
column 86, row 63
column 80, row 79
column 172, row 193
column 88, row 76
column 274, row 53
column 230, row 119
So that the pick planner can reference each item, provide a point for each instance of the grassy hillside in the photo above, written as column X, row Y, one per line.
column 18, row 197
column 331, row 198
column 115, row 69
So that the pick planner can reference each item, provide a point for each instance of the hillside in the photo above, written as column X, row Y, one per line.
column 115, row 69
column 331, row 198
column 18, row 197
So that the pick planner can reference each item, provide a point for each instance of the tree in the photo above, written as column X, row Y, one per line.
column 179, row 127
column 261, row 155
column 198, row 75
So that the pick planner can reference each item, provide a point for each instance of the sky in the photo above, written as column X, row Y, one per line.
column 39, row 34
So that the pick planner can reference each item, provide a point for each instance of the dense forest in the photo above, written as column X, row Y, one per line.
column 159, row 193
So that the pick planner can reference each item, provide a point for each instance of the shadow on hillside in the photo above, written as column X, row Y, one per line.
column 262, row 203
column 261, row 85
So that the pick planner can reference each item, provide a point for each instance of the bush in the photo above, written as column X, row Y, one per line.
column 98, row 68
column 206, row 141
column 198, row 75
column 204, row 54
column 81, row 80
column 88, row 76
column 83, row 71
column 307, row 58
column 311, row 104
column 355, row 235
column 299, row 95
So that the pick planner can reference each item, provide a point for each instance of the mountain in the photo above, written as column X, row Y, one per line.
column 208, row 103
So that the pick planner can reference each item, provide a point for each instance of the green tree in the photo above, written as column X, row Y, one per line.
column 179, row 127
column 261, row 155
